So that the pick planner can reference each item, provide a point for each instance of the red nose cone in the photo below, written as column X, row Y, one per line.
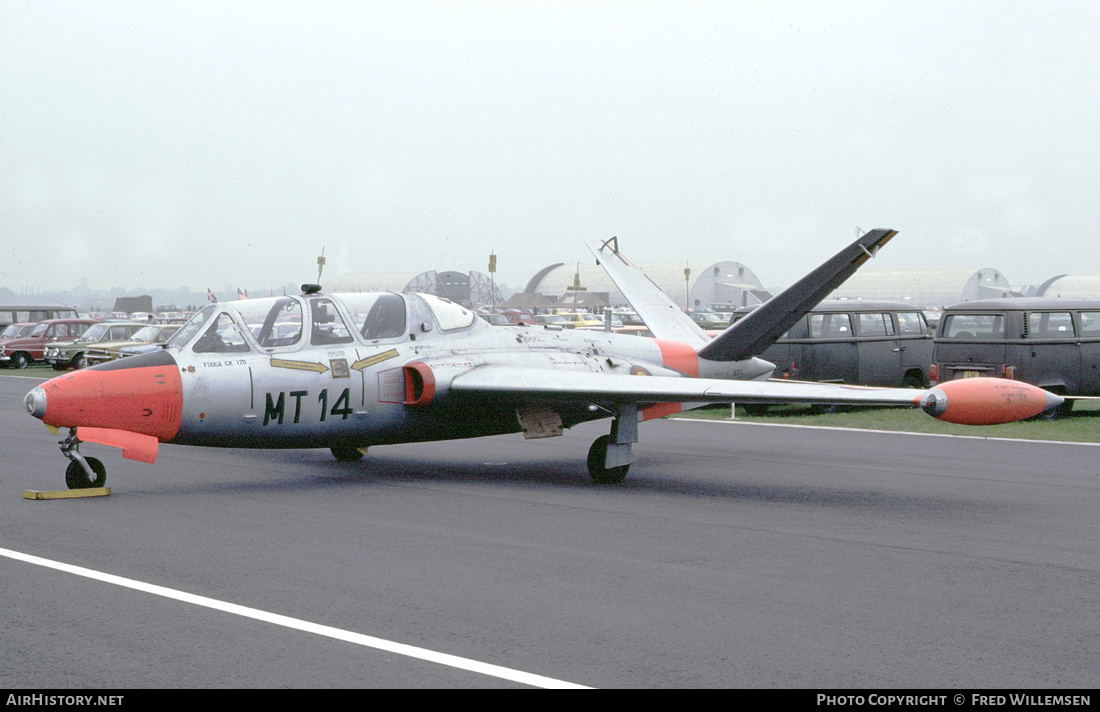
column 140, row 394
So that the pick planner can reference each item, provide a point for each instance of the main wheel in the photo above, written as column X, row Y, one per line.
column 77, row 478
column 347, row 454
column 597, row 456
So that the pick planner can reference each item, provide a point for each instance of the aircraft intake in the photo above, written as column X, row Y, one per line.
column 419, row 383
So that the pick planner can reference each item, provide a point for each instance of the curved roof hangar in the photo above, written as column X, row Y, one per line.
column 706, row 282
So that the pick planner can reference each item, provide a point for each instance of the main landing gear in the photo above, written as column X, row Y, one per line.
column 610, row 457
column 82, row 472
column 348, row 454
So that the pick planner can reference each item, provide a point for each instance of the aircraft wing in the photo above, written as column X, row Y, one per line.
column 665, row 319
column 526, row 385
column 968, row 401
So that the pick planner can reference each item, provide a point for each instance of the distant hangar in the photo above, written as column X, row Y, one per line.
column 725, row 282
column 1082, row 286
column 925, row 287
column 705, row 282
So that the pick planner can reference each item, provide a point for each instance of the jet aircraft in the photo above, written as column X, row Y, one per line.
column 346, row 372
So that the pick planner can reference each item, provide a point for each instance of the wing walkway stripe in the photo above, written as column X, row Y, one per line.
column 297, row 624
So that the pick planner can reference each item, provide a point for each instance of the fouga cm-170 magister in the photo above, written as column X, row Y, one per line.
column 349, row 371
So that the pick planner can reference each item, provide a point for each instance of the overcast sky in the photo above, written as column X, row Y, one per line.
column 226, row 143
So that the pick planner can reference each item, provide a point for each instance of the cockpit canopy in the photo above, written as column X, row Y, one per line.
column 315, row 320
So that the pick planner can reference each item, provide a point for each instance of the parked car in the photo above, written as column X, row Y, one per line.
column 1050, row 343
column 619, row 328
column 22, row 351
column 866, row 343
column 496, row 319
column 137, row 350
column 63, row 355
column 575, row 319
column 629, row 317
column 551, row 320
column 518, row 316
column 709, row 320
column 110, row 350
column 14, row 331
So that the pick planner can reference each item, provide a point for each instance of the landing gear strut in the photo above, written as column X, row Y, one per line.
column 610, row 456
column 82, row 472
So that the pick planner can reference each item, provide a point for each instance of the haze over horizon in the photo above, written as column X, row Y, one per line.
column 203, row 144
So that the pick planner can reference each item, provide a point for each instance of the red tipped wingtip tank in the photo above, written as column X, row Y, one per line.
column 987, row 401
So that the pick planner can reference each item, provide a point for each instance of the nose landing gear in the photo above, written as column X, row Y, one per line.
column 82, row 472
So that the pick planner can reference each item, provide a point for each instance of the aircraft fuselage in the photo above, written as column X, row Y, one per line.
column 337, row 387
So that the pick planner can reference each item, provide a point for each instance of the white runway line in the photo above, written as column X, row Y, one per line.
column 732, row 421
column 411, row 651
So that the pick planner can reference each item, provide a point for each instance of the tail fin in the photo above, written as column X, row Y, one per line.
column 665, row 319
column 757, row 331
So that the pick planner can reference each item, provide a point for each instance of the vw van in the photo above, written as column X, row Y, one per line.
column 1047, row 342
column 870, row 343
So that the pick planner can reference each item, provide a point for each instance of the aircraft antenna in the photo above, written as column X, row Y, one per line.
column 493, row 279
column 687, row 286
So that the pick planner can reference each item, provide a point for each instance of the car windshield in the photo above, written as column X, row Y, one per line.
column 146, row 333
column 16, row 330
column 94, row 332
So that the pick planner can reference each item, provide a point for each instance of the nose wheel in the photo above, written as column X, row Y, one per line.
column 82, row 472
column 77, row 478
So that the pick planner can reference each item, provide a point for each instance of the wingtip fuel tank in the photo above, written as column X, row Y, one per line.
column 986, row 401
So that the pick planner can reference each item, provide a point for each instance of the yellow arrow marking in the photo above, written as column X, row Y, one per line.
column 299, row 365
column 372, row 360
